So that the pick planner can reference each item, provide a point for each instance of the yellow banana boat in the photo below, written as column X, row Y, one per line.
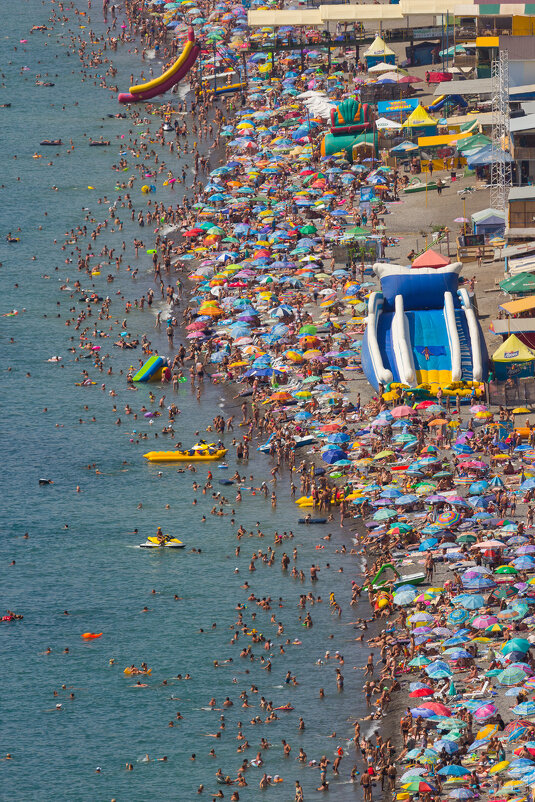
column 185, row 456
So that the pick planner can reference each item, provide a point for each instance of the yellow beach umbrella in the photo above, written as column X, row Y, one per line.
column 499, row 767
column 487, row 732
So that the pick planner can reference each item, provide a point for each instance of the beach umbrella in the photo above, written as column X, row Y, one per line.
column 437, row 707
column 524, row 709
column 419, row 618
column 516, row 645
column 495, row 629
column 458, row 616
column 402, row 411
column 512, row 675
column 419, row 661
column 429, row 756
column 383, row 515
column 471, row 602
column 419, row 787
column 438, row 670
column 485, row 711
column 456, row 653
column 404, row 598
column 421, row 712
column 453, row 770
column 512, row 785
column 450, row 747
column 479, row 583
column 421, row 692
column 338, row 437
column 509, row 615
column 486, row 732
column 484, row 621
column 413, row 773
column 335, row 454
column 524, row 562
column 448, row 518
column 499, row 767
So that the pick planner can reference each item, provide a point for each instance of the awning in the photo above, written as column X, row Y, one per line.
column 525, row 264
column 480, row 119
column 359, row 13
column 518, row 325
column 305, row 17
column 521, row 305
column 487, row 41
column 438, row 141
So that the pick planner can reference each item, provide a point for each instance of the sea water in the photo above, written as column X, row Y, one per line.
column 94, row 569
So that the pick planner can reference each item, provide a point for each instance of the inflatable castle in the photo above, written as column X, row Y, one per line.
column 351, row 125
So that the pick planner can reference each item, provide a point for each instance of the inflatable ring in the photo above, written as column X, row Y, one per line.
column 145, row 188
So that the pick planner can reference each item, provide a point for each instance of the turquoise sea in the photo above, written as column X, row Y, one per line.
column 94, row 569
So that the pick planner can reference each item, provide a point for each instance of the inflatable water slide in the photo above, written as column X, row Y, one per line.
column 151, row 370
column 169, row 78
column 422, row 330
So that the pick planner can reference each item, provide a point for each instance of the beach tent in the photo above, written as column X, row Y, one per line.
column 419, row 119
column 488, row 221
column 513, row 359
column 430, row 259
column 379, row 52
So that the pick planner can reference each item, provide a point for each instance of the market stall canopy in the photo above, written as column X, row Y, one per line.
column 519, row 306
column 516, row 285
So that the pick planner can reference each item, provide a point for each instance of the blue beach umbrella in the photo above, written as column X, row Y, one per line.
column 450, row 747
column 453, row 770
column 461, row 793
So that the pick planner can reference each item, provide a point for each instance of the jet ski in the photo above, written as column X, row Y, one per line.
column 168, row 543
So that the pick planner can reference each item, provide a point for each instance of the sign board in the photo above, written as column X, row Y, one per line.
column 472, row 240
column 396, row 108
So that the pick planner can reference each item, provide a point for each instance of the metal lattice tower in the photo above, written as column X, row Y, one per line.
column 501, row 174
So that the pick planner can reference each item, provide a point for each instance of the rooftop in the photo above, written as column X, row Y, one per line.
column 521, row 193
